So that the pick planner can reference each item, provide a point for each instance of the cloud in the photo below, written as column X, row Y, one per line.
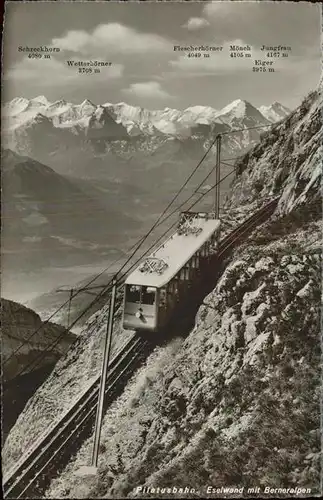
column 55, row 72
column 196, row 23
column 33, row 69
column 112, row 38
column 148, row 90
column 268, row 23
column 214, row 10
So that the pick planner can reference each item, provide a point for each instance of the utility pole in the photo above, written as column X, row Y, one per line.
column 69, row 308
column 217, row 177
column 104, row 371
column 92, row 470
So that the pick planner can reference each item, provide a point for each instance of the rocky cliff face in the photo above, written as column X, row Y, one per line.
column 286, row 162
column 25, row 337
column 236, row 403
column 30, row 349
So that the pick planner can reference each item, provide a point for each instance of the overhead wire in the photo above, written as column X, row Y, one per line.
column 245, row 129
column 190, row 197
column 158, row 220
column 120, row 280
column 106, row 287
column 133, row 249
column 137, row 245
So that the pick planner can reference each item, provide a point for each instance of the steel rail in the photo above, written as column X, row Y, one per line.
column 75, row 426
column 14, row 483
column 251, row 222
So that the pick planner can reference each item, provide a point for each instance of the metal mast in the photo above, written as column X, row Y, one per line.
column 105, row 364
column 217, row 177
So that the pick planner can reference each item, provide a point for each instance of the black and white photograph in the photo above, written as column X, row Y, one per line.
column 161, row 249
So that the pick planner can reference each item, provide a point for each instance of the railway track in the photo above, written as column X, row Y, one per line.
column 32, row 474
column 236, row 235
column 50, row 454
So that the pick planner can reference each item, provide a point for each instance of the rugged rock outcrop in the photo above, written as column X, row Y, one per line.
column 25, row 337
column 235, row 404
column 30, row 349
column 286, row 162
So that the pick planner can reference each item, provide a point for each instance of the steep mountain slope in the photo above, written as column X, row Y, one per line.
column 275, row 112
column 17, row 324
column 29, row 346
column 48, row 303
column 45, row 214
column 237, row 403
column 234, row 405
column 287, row 160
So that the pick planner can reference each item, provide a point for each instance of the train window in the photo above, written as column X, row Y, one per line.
column 162, row 297
column 195, row 262
column 185, row 273
column 175, row 286
column 133, row 293
column 148, row 295
column 205, row 250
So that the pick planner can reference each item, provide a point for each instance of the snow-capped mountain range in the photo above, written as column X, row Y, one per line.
column 119, row 141
column 275, row 112
column 134, row 120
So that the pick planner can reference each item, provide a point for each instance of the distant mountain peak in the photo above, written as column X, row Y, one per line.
column 238, row 107
column 42, row 100
column 87, row 102
column 59, row 103
column 16, row 106
column 39, row 118
column 275, row 111
column 241, row 110
column 135, row 120
column 18, row 100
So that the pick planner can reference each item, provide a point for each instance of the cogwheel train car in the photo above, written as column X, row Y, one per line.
column 161, row 282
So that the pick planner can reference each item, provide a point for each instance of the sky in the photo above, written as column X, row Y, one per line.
column 139, row 38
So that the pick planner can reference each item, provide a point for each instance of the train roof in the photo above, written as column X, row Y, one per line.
column 165, row 262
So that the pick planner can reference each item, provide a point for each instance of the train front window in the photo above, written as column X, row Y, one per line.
column 133, row 293
column 148, row 295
